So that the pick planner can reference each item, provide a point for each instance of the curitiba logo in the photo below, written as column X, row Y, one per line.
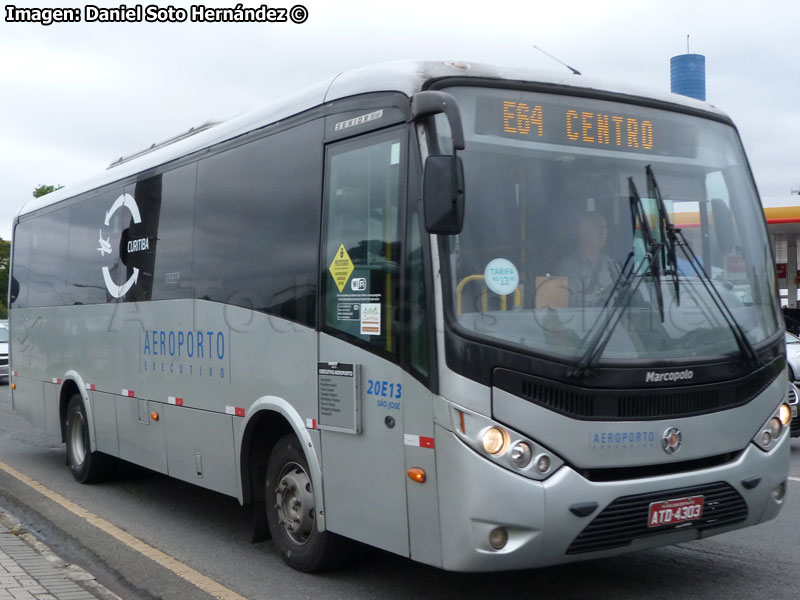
column 653, row 377
column 124, row 201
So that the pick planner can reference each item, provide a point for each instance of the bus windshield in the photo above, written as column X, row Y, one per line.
column 566, row 204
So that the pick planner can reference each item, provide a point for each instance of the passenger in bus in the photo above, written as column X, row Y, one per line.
column 590, row 272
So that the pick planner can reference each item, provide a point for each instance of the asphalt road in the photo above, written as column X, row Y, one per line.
column 210, row 533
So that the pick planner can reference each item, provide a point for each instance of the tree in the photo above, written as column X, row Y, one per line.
column 45, row 189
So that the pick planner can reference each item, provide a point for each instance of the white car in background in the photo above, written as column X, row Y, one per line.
column 793, row 370
column 4, row 351
column 793, row 356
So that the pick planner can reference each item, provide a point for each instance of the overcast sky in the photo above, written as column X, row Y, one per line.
column 75, row 96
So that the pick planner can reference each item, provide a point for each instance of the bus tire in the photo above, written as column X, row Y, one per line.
column 291, row 514
column 86, row 466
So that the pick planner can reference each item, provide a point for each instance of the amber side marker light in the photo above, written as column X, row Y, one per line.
column 13, row 386
column 416, row 474
column 154, row 416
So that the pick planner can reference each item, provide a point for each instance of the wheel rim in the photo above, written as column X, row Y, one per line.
column 77, row 441
column 294, row 503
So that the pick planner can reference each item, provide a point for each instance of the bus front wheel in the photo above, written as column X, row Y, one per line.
column 86, row 466
column 291, row 514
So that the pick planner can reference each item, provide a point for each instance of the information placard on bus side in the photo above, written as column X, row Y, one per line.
column 339, row 398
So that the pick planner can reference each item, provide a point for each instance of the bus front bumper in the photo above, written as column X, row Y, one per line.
column 478, row 497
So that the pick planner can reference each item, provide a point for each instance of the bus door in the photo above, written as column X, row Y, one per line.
column 360, row 388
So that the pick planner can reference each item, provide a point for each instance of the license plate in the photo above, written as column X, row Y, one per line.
column 672, row 512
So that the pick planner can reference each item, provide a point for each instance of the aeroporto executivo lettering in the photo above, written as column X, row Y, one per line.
column 179, row 344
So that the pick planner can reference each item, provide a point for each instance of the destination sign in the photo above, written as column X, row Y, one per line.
column 582, row 122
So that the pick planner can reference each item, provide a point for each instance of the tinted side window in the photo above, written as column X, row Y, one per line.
column 86, row 256
column 173, row 270
column 18, row 285
column 111, row 213
column 257, row 224
column 138, row 240
column 160, row 245
column 48, row 261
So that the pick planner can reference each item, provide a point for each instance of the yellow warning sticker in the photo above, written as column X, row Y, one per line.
column 341, row 267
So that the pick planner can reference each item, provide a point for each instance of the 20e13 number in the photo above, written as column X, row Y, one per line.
column 384, row 389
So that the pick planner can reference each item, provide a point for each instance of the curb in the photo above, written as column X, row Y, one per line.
column 72, row 572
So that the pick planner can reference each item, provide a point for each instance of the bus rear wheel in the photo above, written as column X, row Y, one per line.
column 86, row 466
column 291, row 513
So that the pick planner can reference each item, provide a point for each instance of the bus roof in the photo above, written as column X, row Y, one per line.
column 407, row 77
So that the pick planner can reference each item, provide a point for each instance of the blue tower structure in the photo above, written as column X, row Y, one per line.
column 688, row 75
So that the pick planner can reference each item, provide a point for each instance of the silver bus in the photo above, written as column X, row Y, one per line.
column 485, row 318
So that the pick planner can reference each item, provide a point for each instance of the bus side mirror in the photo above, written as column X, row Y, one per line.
column 430, row 103
column 443, row 194
column 443, row 181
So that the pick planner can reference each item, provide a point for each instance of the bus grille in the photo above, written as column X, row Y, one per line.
column 632, row 404
column 625, row 519
column 794, row 429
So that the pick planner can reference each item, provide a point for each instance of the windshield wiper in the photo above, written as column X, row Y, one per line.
column 605, row 328
column 675, row 238
column 651, row 245
column 669, row 234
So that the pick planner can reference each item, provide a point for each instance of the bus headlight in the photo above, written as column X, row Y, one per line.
column 495, row 440
column 774, row 428
column 521, row 455
column 543, row 463
column 785, row 414
column 504, row 446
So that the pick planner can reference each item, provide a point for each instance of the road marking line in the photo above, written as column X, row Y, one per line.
column 794, row 478
column 196, row 578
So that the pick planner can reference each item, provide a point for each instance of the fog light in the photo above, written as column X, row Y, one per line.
column 775, row 427
column 498, row 538
column 766, row 438
column 778, row 493
column 494, row 440
column 785, row 414
column 521, row 455
column 543, row 463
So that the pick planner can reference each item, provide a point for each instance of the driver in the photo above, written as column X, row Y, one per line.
column 590, row 272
